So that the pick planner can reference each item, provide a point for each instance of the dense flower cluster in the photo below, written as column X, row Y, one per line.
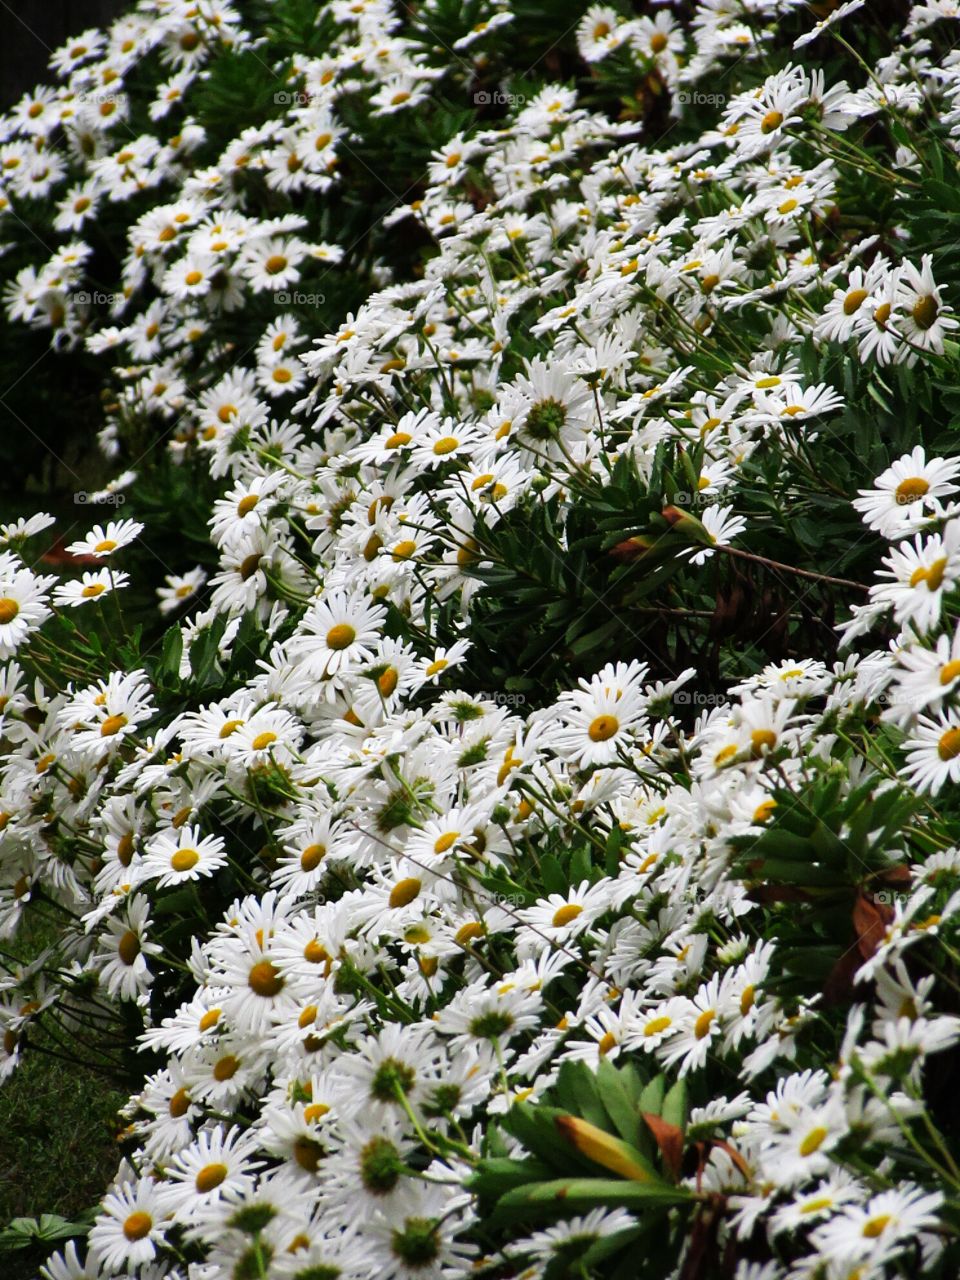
column 365, row 916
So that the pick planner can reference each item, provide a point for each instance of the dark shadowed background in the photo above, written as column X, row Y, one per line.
column 38, row 396
column 30, row 30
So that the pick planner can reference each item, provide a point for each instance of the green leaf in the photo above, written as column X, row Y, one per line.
column 493, row 1177
column 651, row 1099
column 535, row 1126
column 576, row 1091
column 554, row 878
column 572, row 1195
column 607, row 1246
column 618, row 1099
column 612, row 851
column 170, row 655
column 676, row 1105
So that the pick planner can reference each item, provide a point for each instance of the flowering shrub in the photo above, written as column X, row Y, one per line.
column 524, row 839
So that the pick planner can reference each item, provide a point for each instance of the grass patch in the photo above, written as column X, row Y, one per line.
column 58, row 1149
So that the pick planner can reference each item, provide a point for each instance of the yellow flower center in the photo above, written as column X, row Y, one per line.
column 434, row 668
column 247, row 504
column 193, row 277
column 249, row 566
column 882, row 314
column 658, row 42
column 925, row 311
column 762, row 740
column 179, row 1104
column 387, row 681
column 875, row 1226
column 466, row 933
column 341, row 636
column 701, row 1027
column 210, row 1177
column 9, row 608
column 263, row 740
column 404, row 550
column 565, row 914
column 603, row 728
column 226, row 1068
column 307, row 1154
column 853, row 301
column 397, row 440
column 264, row 979
column 446, row 444
column 772, row 120
column 814, row 1206
column 315, row 952
column 184, row 860
column 275, row 264
column 948, row 748
column 932, row 576
column 209, row 1019
column 656, row 1025
column 950, row 671
column 374, row 543
column 312, row 856
column 229, row 726
column 128, row 948
column 404, row 892
column 606, row 1043
column 112, row 725
column 137, row 1226
column 912, row 489
column 106, row 544
column 813, row 1141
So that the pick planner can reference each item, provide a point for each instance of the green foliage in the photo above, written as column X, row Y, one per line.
column 589, row 1124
